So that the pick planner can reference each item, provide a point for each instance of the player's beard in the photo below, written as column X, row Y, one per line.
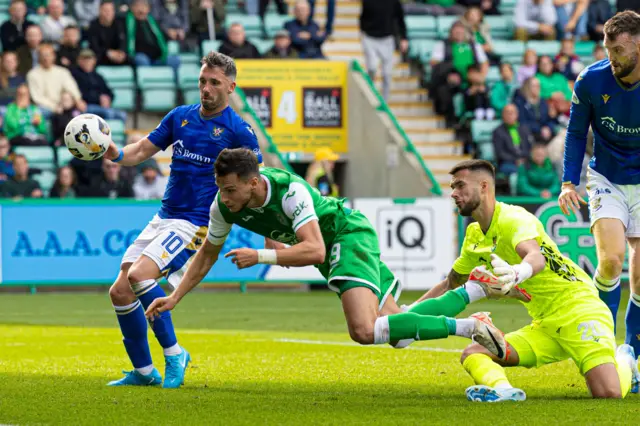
column 626, row 70
column 467, row 209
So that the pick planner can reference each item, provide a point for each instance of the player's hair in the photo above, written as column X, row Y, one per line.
column 240, row 161
column 474, row 165
column 222, row 61
column 622, row 22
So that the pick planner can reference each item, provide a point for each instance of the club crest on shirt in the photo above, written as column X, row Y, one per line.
column 217, row 132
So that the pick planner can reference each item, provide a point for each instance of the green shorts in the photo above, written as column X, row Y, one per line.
column 582, row 331
column 353, row 260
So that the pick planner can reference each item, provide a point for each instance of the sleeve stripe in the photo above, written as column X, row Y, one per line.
column 304, row 221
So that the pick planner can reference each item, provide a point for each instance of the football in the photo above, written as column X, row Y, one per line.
column 87, row 137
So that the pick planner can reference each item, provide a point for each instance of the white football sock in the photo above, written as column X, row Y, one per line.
column 475, row 291
column 464, row 327
column 381, row 330
column 173, row 350
column 145, row 371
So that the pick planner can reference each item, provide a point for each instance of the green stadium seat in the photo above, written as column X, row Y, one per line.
column 124, row 99
column 252, row 24
column 64, row 156
column 4, row 16
column 121, row 80
column 35, row 18
column 191, row 96
column 421, row 27
column 190, row 58
column 550, row 48
column 500, row 27
column 40, row 157
column 188, row 76
column 585, row 48
column 421, row 48
column 46, row 180
column 493, row 75
column 486, row 151
column 482, row 130
column 510, row 50
column 444, row 25
column 157, row 85
column 173, row 47
column 274, row 22
column 263, row 46
column 507, row 7
column 117, row 131
column 210, row 46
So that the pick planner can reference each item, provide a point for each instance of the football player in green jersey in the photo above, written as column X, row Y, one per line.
column 341, row 243
column 569, row 319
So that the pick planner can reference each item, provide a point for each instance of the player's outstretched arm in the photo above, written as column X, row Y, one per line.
column 453, row 280
column 132, row 154
column 202, row 263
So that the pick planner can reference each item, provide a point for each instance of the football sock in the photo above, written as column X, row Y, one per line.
column 147, row 291
column 410, row 325
column 486, row 372
column 632, row 321
column 624, row 373
column 609, row 291
column 449, row 304
column 134, row 329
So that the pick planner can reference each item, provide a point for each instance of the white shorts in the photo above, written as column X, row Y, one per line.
column 612, row 201
column 170, row 243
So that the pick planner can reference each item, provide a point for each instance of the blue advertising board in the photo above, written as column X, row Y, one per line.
column 82, row 241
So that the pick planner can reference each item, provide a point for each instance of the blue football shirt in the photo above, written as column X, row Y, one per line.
column 197, row 141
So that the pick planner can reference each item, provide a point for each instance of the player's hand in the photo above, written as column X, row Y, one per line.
column 112, row 152
column 159, row 305
column 243, row 257
column 506, row 274
column 569, row 199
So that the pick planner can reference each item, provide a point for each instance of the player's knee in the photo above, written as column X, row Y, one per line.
column 610, row 265
column 362, row 334
column 120, row 293
column 136, row 275
column 473, row 348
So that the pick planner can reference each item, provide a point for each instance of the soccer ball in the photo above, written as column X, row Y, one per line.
column 87, row 137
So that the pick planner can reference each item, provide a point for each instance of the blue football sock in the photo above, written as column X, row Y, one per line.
column 147, row 291
column 632, row 321
column 609, row 291
column 133, row 324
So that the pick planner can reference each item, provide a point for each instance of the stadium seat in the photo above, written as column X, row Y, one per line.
column 444, row 25
column 500, row 27
column 173, row 47
column 274, row 22
column 585, row 48
column 64, row 156
column 40, row 157
column 36, row 19
column 486, row 151
column 157, row 85
column 117, row 131
column 210, row 46
column 510, row 50
column 481, row 130
column 493, row 75
column 190, row 58
column 191, row 96
column 46, row 179
column 251, row 23
column 507, row 7
column 263, row 46
column 121, row 80
column 422, row 48
column 421, row 27
column 550, row 48
column 188, row 76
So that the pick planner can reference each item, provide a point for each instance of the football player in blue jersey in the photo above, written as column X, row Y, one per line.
column 197, row 133
column 607, row 98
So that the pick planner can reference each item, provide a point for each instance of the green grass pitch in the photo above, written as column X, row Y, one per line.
column 264, row 358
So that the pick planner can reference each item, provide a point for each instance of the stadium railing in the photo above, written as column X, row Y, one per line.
column 409, row 146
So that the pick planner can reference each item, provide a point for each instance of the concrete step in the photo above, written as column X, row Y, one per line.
column 405, row 83
column 443, row 162
column 430, row 136
column 416, row 123
column 407, row 95
column 442, row 148
column 343, row 34
column 420, row 109
column 341, row 46
column 341, row 10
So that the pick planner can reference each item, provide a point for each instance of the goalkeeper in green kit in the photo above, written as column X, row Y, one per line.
column 343, row 245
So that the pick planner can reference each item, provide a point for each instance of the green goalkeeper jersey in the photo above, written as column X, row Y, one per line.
column 291, row 203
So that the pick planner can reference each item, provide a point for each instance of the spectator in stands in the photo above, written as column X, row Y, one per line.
column 37, row 6
column 488, row 7
column 24, row 124
column 305, row 34
column 533, row 111
column 622, row 5
column 172, row 16
column 66, row 111
column 536, row 175
column 6, row 159
column 262, row 10
column 567, row 62
column 145, row 41
column 54, row 24
column 450, row 61
column 598, row 53
column 502, row 92
column 70, row 47
column 511, row 141
column 85, row 11
column 432, row 7
column 330, row 12
column 48, row 81
column 529, row 66
column 282, row 48
column 535, row 19
column 237, row 46
column 379, row 20
column 95, row 91
column 107, row 36
column 150, row 184
column 598, row 13
column 572, row 18
column 551, row 81
column 320, row 173
column 476, row 96
column 198, row 13
column 20, row 185
column 28, row 53
column 109, row 184
column 65, row 184
column 12, row 31
column 479, row 32
column 9, row 78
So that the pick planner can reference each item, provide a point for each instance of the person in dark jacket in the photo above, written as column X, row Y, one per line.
column 533, row 111
column 107, row 185
column 237, row 46
column 107, row 37
column 306, row 36
column 95, row 91
column 12, row 31
column 598, row 13
column 69, row 47
column 282, row 48
column 511, row 141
